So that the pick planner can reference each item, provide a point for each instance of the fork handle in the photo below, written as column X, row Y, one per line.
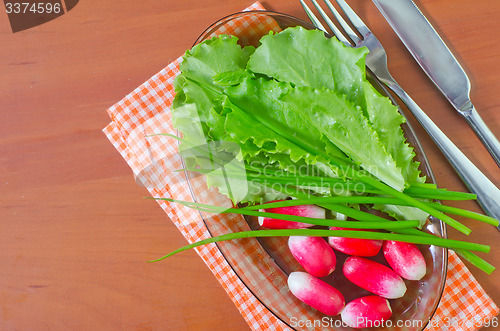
column 488, row 195
column 484, row 133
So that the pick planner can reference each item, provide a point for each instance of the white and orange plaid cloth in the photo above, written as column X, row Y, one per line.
column 464, row 304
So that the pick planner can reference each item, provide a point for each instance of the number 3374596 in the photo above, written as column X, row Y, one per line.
column 35, row 8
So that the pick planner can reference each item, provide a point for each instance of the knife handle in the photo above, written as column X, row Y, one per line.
column 483, row 132
column 488, row 195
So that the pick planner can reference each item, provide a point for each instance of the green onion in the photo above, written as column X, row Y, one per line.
column 466, row 213
column 447, row 243
column 476, row 260
column 467, row 255
column 426, row 192
column 364, row 216
column 412, row 201
column 388, row 225
column 375, row 200
column 357, row 214
column 439, row 193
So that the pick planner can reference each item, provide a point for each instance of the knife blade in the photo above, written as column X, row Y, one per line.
column 437, row 61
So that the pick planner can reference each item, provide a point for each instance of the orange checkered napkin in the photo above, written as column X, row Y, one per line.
column 464, row 304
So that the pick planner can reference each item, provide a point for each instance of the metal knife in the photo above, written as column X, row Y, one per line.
column 432, row 54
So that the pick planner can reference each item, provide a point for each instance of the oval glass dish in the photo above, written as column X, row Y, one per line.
column 263, row 264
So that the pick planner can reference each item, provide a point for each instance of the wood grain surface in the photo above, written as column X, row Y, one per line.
column 75, row 232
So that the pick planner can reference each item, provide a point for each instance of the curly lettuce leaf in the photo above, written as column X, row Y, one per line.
column 319, row 121
column 306, row 58
column 206, row 69
column 302, row 113
column 244, row 128
column 195, row 83
column 215, row 159
column 403, row 212
column 386, row 121
column 344, row 125
column 261, row 99
column 215, row 56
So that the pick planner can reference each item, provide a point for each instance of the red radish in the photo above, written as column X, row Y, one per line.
column 374, row 277
column 355, row 246
column 314, row 254
column 405, row 259
column 312, row 211
column 366, row 312
column 316, row 293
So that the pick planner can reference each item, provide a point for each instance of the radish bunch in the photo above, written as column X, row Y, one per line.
column 317, row 256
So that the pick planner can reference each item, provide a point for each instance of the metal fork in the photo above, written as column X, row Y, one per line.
column 488, row 195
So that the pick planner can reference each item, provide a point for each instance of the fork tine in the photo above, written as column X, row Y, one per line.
column 355, row 20
column 354, row 37
column 312, row 17
column 340, row 36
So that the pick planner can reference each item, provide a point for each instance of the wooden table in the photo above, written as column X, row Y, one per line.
column 74, row 230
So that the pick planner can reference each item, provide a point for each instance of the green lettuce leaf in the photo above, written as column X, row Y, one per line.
column 386, row 121
column 215, row 56
column 261, row 99
column 344, row 125
column 306, row 58
column 298, row 100
column 403, row 212
column 195, row 84
column 216, row 158
column 318, row 121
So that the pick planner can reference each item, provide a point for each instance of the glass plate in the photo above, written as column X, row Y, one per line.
column 263, row 264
